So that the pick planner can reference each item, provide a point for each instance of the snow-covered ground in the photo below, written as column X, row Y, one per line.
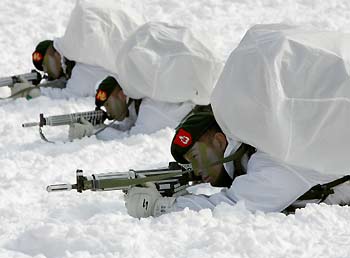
column 36, row 224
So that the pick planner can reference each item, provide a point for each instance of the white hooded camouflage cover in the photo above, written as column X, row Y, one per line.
column 95, row 32
column 286, row 91
column 162, row 62
column 167, row 63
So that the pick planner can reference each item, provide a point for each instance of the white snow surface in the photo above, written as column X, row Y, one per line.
column 68, row 224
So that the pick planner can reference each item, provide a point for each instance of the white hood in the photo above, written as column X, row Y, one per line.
column 167, row 63
column 286, row 91
column 95, row 32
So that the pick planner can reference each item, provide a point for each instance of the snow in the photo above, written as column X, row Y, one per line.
column 68, row 224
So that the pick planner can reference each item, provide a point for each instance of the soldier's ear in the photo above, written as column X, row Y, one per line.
column 57, row 55
column 121, row 95
column 220, row 141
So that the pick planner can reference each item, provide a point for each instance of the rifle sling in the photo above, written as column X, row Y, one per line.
column 322, row 191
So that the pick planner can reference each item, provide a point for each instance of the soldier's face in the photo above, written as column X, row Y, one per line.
column 116, row 105
column 52, row 64
column 206, row 151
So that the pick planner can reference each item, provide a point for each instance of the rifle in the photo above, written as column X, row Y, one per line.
column 95, row 117
column 170, row 181
column 34, row 77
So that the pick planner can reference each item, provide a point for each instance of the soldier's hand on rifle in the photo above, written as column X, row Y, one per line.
column 80, row 130
column 25, row 89
column 142, row 202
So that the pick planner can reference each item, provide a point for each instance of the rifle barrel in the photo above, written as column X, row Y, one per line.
column 60, row 187
column 30, row 124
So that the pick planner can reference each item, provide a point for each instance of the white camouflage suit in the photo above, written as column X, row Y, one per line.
column 269, row 186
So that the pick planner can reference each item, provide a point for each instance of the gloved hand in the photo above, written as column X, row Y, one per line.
column 142, row 202
column 80, row 130
column 25, row 89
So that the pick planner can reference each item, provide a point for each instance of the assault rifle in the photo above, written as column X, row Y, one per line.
column 170, row 181
column 95, row 117
column 34, row 77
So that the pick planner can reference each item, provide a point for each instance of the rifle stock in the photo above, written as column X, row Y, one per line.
column 170, row 181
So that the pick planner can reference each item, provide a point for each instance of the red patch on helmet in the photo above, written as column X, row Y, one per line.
column 101, row 95
column 37, row 57
column 183, row 138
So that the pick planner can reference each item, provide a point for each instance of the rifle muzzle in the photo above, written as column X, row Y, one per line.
column 60, row 187
column 30, row 124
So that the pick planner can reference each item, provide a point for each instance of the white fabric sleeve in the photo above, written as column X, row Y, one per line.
column 198, row 202
column 110, row 133
column 81, row 84
column 155, row 115
column 341, row 195
column 121, row 129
